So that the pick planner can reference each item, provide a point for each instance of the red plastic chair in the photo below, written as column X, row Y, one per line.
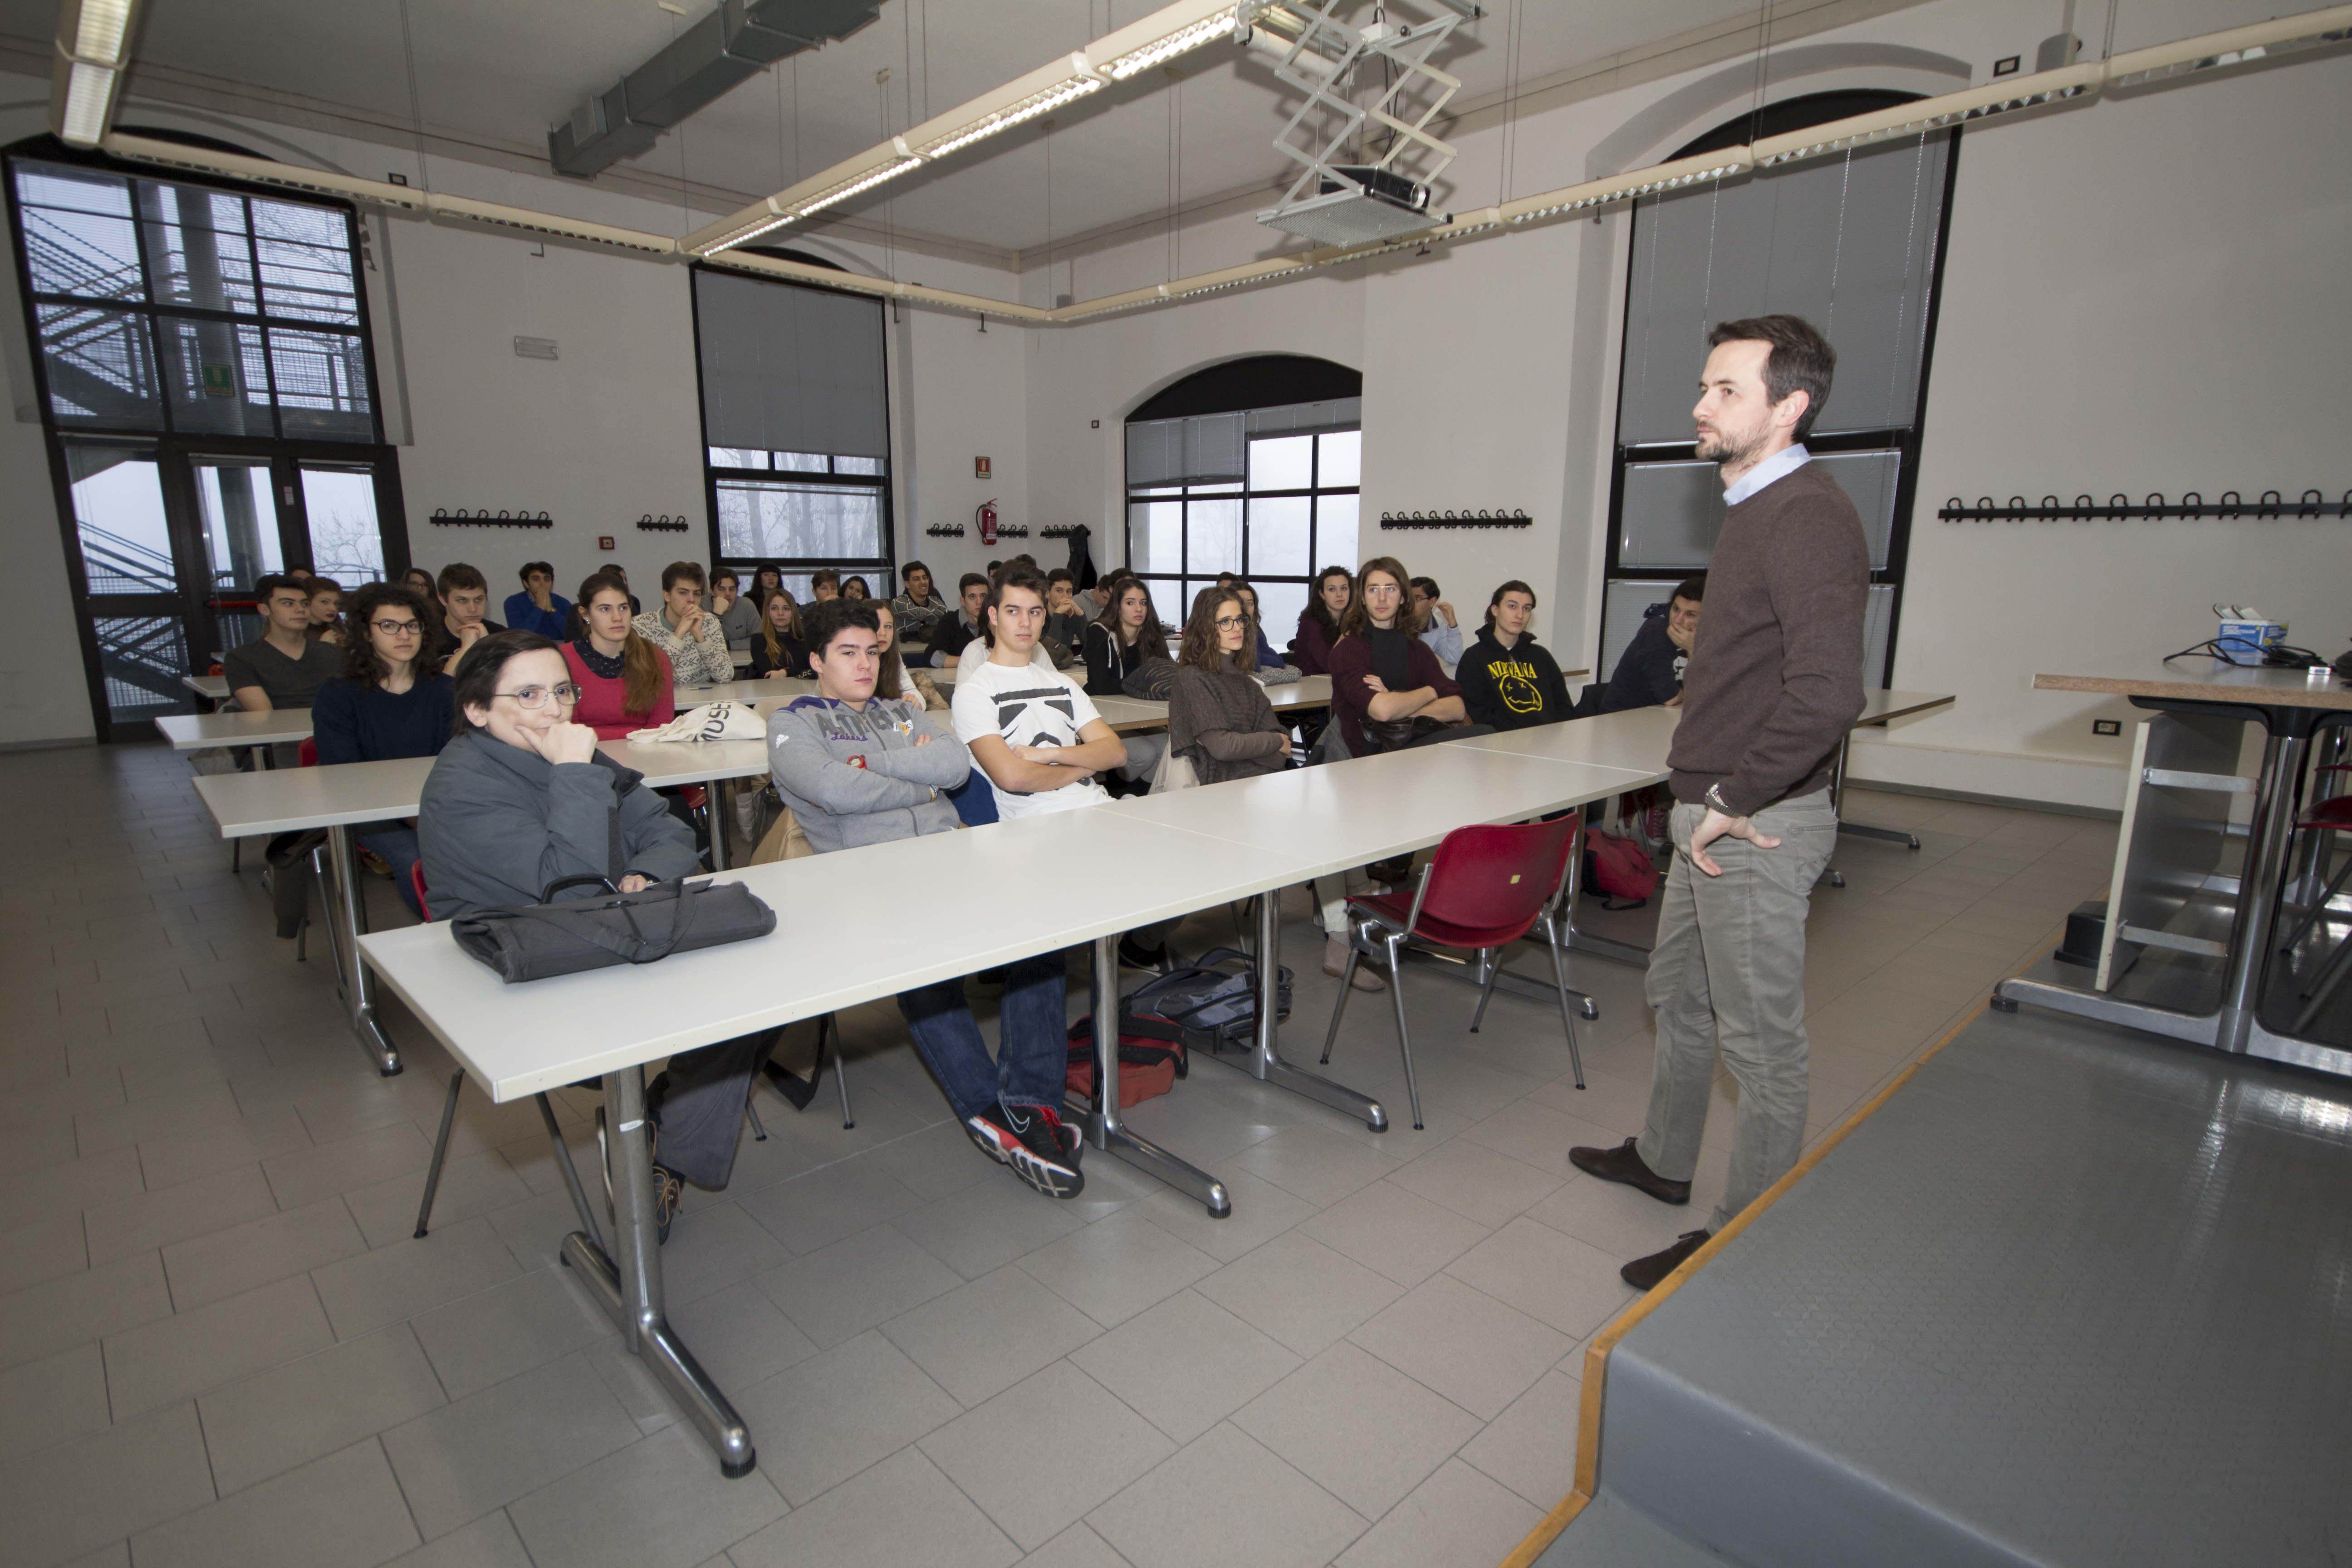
column 1485, row 889
column 2329, row 816
column 416, row 885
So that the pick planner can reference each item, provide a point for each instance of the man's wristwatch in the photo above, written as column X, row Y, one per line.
column 1716, row 800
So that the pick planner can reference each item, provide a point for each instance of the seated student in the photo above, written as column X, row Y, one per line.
column 858, row 767
column 1267, row 658
column 688, row 636
column 420, row 582
column 1439, row 629
column 738, row 617
column 1065, row 623
column 1218, row 716
column 824, row 585
column 855, row 588
column 1649, row 673
column 466, row 599
column 1318, row 623
column 895, row 681
column 766, row 578
column 953, row 634
column 1032, row 731
column 1379, row 669
column 384, row 705
column 920, row 607
column 1507, row 679
column 624, row 681
column 1123, row 639
column 284, row 668
column 778, row 653
column 539, row 608
column 325, row 608
column 521, row 797
column 617, row 570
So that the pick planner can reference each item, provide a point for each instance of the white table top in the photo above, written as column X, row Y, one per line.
column 1635, row 741
column 520, row 1039
column 214, row 686
column 195, row 731
column 2203, row 680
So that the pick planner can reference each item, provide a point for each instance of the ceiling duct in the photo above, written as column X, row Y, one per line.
column 735, row 42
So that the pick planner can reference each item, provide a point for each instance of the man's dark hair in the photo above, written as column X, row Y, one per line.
column 316, row 585
column 678, row 572
column 265, row 586
column 1802, row 360
column 529, row 567
column 457, row 575
column 479, row 678
column 911, row 567
column 967, row 580
column 816, row 579
column 1061, row 574
column 1513, row 586
column 1691, row 588
column 828, row 618
column 726, row 574
column 1016, row 574
column 1429, row 586
column 994, row 567
column 361, row 660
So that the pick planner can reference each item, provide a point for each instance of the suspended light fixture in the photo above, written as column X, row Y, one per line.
column 93, row 45
column 1182, row 41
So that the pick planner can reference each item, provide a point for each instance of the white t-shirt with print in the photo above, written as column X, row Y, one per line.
column 1026, row 705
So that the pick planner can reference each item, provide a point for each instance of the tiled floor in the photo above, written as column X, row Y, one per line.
column 219, row 1344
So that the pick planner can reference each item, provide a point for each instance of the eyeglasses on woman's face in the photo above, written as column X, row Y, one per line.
column 535, row 698
column 396, row 628
column 1230, row 623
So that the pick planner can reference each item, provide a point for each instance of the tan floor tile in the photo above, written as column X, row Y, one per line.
column 1457, row 1518
column 834, row 1415
column 814, row 1211
column 48, row 1248
column 1260, row 1211
column 740, row 1337
column 77, row 1309
column 52, row 1401
column 365, row 1293
column 1531, row 1447
column 1357, row 1427
column 1117, row 1267
column 840, row 1291
column 198, row 1207
column 489, row 1336
column 489, row 1541
column 1554, row 1279
column 345, row 1508
column 475, row 1184
column 180, row 1356
column 901, row 1512
column 1267, row 1514
column 244, row 1258
column 983, row 1227
column 1077, row 1547
column 1032, row 1502
column 1395, row 1232
column 1318, row 1167
column 506, row 1442
column 1463, row 1345
column 83, row 1495
column 981, row 1338
column 306, row 1175
column 318, row 1404
column 1185, row 1364
column 659, row 1504
column 181, row 1156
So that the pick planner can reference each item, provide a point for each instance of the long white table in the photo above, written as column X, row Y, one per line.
column 199, row 731
column 299, row 800
column 1179, row 853
column 211, row 687
column 1126, row 715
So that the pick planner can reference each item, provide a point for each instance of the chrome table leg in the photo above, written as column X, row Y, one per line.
column 1102, row 1127
column 1265, row 1062
column 361, row 990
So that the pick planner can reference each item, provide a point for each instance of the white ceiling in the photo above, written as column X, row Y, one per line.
column 503, row 71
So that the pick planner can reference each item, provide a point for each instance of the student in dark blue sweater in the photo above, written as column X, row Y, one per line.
column 384, row 708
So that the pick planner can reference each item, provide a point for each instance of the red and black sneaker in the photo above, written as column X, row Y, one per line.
column 1030, row 1138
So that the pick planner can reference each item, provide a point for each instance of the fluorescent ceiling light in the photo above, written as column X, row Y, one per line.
column 89, row 92
column 2236, row 47
column 850, row 187
column 1931, row 114
column 1182, row 41
column 100, row 30
column 1029, row 108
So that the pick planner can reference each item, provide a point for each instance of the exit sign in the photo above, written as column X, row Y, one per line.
column 220, row 381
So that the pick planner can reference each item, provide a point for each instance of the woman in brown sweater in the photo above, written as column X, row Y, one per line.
column 1218, row 717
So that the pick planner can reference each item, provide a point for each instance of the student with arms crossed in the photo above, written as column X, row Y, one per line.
column 384, row 706
column 520, row 798
column 1506, row 680
column 689, row 636
column 857, row 768
column 920, row 606
column 1065, row 623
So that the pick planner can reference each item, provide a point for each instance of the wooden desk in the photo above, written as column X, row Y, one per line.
column 2294, row 708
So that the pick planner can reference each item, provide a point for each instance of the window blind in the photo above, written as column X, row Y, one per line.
column 789, row 369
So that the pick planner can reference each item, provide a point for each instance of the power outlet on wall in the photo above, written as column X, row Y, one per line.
column 2107, row 727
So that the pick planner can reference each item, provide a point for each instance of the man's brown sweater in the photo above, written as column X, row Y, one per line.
column 1775, row 676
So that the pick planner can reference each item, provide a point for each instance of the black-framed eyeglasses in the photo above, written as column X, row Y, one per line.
column 1231, row 623
column 535, row 697
column 397, row 628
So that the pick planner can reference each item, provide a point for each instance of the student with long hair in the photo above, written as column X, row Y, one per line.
column 384, row 705
column 777, row 649
column 1318, row 623
column 1379, row 669
column 1218, row 717
column 1507, row 679
column 1120, row 642
column 894, row 681
column 624, row 681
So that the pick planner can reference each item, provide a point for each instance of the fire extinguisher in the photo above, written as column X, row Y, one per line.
column 986, row 517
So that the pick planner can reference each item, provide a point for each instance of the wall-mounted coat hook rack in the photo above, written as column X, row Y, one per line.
column 945, row 530
column 1464, row 518
column 484, row 518
column 665, row 523
column 2122, row 508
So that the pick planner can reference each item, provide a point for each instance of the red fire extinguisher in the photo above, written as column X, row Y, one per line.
column 986, row 517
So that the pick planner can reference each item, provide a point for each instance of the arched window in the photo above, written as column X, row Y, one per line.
column 1250, row 466
column 1853, row 245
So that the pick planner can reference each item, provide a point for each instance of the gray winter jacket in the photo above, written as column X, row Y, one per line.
column 854, row 778
column 497, row 823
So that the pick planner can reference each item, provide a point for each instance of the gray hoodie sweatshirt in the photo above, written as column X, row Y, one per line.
column 854, row 778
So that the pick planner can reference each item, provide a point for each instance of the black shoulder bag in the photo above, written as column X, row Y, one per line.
column 538, row 942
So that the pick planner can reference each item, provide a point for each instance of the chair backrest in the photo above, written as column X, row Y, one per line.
column 1499, row 878
column 306, row 755
column 417, row 881
column 1587, row 701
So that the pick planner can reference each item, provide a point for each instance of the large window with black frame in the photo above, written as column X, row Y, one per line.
column 208, row 395
column 1853, row 245
column 796, row 429
column 1265, row 485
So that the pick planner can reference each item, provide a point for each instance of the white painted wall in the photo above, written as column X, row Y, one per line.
column 43, row 694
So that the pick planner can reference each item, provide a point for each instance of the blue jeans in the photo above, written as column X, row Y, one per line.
column 1033, row 1022
column 398, row 845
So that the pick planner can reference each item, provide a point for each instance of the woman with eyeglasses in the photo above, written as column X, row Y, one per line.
column 383, row 707
column 624, row 681
column 521, row 797
column 1218, row 716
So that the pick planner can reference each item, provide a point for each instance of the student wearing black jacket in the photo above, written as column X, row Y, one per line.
column 1506, row 680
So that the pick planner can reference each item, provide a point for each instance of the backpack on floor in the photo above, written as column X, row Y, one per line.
column 1213, row 999
column 1150, row 1058
column 1617, row 870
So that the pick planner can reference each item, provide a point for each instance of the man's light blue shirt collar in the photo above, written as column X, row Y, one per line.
column 1780, row 465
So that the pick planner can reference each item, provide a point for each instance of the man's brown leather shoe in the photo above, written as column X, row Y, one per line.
column 1643, row 1273
column 1622, row 1164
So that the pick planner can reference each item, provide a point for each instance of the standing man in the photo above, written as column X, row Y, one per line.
column 1763, row 709
column 682, row 628
column 858, row 769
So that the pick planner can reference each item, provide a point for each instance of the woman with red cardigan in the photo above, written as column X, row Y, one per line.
column 623, row 680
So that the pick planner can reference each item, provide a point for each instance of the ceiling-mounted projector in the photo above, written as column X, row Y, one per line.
column 1360, row 203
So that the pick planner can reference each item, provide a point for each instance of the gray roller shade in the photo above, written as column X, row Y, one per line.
column 1847, row 243
column 1672, row 512
column 1309, row 419
column 1205, row 449
column 788, row 369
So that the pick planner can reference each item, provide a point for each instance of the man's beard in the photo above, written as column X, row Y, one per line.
column 1727, row 453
